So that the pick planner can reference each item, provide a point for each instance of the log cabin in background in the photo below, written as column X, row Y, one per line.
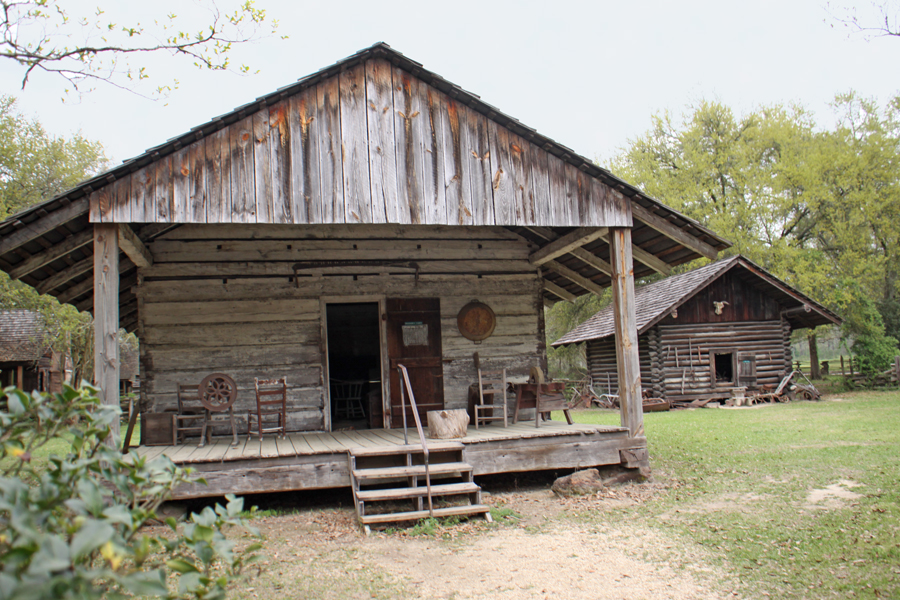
column 27, row 360
column 335, row 229
column 701, row 333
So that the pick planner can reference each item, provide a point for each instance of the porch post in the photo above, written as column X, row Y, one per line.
column 106, row 314
column 627, row 359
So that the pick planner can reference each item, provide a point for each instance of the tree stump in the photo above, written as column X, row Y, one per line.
column 447, row 424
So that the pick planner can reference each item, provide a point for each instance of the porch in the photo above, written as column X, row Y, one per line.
column 318, row 460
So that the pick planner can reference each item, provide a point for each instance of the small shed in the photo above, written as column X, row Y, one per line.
column 701, row 333
column 26, row 359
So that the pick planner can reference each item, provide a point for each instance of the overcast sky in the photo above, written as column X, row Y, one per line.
column 587, row 74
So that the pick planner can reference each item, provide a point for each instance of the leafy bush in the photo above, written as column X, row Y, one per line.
column 73, row 528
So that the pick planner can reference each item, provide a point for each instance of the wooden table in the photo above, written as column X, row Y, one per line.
column 544, row 397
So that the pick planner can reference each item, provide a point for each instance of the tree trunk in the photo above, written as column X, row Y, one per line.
column 813, row 358
column 447, row 424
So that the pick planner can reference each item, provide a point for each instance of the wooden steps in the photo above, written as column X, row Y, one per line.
column 374, row 473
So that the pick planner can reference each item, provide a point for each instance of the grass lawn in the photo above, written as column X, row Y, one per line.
column 743, row 481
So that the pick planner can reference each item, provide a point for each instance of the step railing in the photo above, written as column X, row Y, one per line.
column 406, row 388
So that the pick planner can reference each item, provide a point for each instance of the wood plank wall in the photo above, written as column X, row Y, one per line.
column 221, row 298
column 372, row 145
column 664, row 374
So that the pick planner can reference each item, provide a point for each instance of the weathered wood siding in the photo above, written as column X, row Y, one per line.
column 743, row 303
column 223, row 298
column 372, row 145
column 675, row 359
column 601, row 359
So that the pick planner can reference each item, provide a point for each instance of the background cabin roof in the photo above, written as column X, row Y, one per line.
column 656, row 300
column 21, row 336
column 49, row 245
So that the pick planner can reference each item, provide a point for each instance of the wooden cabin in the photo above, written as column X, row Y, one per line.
column 333, row 230
column 26, row 359
column 702, row 333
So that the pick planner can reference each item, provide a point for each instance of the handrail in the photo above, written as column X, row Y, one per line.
column 415, row 411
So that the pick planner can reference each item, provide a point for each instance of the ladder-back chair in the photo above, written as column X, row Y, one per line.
column 190, row 415
column 270, row 415
column 491, row 387
column 346, row 396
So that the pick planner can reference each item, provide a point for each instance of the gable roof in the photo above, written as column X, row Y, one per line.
column 49, row 245
column 21, row 336
column 656, row 300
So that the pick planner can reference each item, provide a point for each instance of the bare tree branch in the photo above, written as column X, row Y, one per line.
column 42, row 37
column 882, row 21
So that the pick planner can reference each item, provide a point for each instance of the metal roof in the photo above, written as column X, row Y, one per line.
column 656, row 300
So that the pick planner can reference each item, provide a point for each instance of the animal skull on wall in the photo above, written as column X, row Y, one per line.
column 719, row 306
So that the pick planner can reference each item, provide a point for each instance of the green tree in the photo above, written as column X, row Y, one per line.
column 95, row 47
column 35, row 165
column 73, row 527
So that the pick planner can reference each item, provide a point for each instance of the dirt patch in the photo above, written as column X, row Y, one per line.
column 835, row 495
column 534, row 551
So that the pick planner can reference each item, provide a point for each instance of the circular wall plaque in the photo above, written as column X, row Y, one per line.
column 476, row 321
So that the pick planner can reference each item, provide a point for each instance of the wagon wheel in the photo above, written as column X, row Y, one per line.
column 806, row 395
column 218, row 392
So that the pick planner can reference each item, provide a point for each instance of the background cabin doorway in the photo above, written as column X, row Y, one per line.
column 354, row 365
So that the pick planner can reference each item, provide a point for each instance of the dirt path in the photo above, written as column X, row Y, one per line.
column 537, row 553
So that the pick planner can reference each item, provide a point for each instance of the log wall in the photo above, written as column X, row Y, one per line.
column 224, row 298
column 373, row 144
column 675, row 359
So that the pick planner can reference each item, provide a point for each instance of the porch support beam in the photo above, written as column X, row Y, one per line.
column 658, row 265
column 672, row 232
column 574, row 277
column 70, row 272
column 133, row 247
column 627, row 358
column 558, row 291
column 43, row 225
column 106, row 314
column 46, row 257
column 566, row 243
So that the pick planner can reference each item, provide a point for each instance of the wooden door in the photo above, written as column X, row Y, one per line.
column 414, row 341
column 746, row 369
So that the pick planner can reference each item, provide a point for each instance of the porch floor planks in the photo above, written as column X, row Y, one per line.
column 338, row 442
column 150, row 452
column 285, row 446
column 268, row 448
column 300, row 443
column 236, row 452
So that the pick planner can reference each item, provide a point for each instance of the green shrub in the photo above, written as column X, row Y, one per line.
column 73, row 527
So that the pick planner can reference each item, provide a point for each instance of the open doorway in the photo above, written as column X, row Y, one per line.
column 354, row 365
column 724, row 367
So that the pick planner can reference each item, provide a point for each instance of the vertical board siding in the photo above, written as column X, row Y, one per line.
column 279, row 144
column 197, row 187
column 382, row 152
column 457, row 165
column 305, row 191
column 520, row 153
column 502, row 178
column 265, row 210
column 409, row 133
column 328, row 133
column 354, row 145
column 218, row 178
column 540, row 176
column 480, row 162
column 372, row 144
column 181, row 185
column 243, row 185
column 434, row 192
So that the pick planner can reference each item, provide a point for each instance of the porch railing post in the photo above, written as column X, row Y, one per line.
column 106, row 314
column 627, row 357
